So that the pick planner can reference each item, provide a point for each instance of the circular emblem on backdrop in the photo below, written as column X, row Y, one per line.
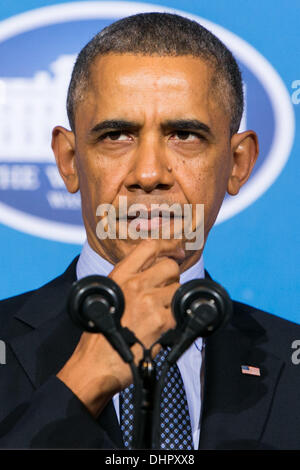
column 38, row 49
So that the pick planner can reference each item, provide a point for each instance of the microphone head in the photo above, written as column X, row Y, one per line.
column 93, row 299
column 205, row 301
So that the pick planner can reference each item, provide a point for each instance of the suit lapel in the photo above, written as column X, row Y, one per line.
column 44, row 347
column 236, row 405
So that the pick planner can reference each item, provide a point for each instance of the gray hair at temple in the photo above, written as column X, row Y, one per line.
column 162, row 34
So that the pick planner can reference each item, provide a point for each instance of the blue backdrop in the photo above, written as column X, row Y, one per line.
column 254, row 249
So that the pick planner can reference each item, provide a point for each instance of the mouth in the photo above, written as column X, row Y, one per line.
column 150, row 220
column 150, row 223
column 146, row 214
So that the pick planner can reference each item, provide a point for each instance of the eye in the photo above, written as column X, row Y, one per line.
column 114, row 135
column 185, row 135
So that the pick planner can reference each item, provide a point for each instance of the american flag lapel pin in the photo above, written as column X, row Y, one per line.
column 250, row 370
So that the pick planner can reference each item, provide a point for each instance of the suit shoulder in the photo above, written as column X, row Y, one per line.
column 279, row 332
column 10, row 306
column 265, row 318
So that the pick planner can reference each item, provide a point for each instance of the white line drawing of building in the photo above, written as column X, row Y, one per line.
column 30, row 108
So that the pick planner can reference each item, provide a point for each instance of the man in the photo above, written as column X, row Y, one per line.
column 154, row 104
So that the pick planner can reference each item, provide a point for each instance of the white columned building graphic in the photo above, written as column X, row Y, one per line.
column 30, row 108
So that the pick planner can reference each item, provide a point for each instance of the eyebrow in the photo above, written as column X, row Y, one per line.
column 115, row 124
column 178, row 124
column 186, row 124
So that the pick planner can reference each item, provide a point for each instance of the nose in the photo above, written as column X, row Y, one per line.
column 150, row 170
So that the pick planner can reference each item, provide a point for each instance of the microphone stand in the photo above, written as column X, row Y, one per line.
column 145, row 402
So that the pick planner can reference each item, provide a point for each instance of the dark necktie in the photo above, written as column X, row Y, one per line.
column 175, row 429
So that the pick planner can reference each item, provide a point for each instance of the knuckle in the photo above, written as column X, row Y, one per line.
column 172, row 267
column 132, row 285
column 158, row 322
column 165, row 320
column 148, row 300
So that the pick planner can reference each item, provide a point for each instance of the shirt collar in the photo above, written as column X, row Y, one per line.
column 90, row 263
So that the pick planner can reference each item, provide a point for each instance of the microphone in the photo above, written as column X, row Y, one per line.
column 200, row 307
column 96, row 304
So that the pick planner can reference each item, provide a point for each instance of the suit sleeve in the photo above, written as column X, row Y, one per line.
column 53, row 418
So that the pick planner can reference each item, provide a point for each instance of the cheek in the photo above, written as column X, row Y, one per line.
column 199, row 180
column 99, row 180
column 204, row 182
column 216, row 186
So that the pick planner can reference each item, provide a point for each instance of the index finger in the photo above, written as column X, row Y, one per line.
column 146, row 253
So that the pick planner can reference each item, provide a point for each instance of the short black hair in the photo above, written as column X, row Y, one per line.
column 161, row 34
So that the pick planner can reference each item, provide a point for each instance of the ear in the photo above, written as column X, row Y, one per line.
column 245, row 149
column 63, row 146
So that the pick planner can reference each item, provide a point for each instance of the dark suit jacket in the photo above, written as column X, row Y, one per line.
column 239, row 411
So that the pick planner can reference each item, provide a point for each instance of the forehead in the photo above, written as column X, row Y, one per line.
column 134, row 63
column 130, row 85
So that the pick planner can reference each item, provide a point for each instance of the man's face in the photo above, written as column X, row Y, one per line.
column 152, row 129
